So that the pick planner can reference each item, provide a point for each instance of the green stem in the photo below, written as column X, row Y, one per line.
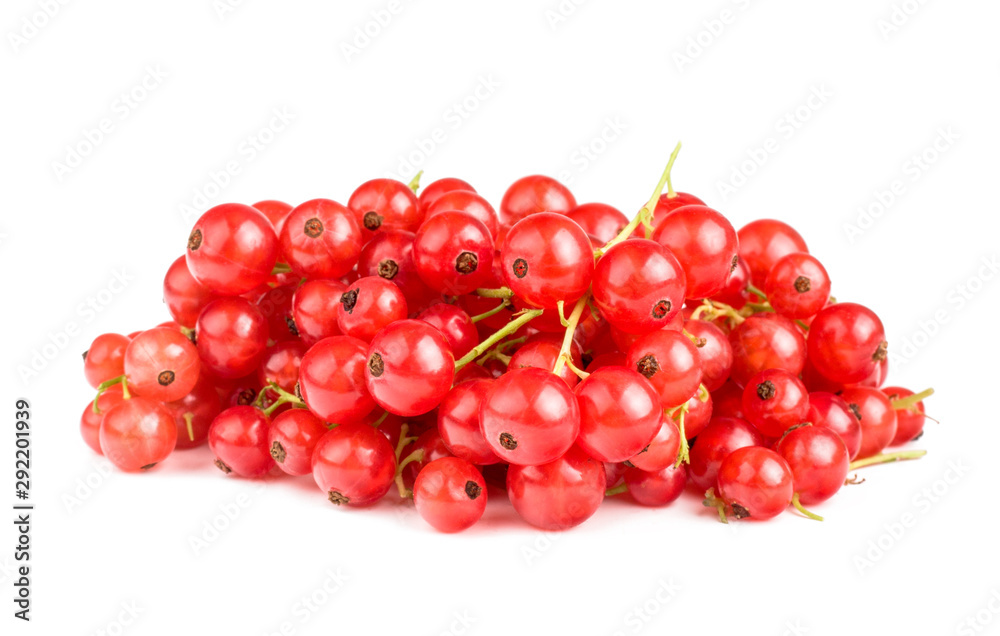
column 798, row 506
column 107, row 384
column 502, row 292
column 886, row 458
column 379, row 421
column 508, row 329
column 580, row 373
column 281, row 268
column 496, row 310
column 415, row 182
column 683, row 456
column 711, row 501
column 645, row 213
column 754, row 290
column 188, row 419
column 567, row 343
column 617, row 490
column 670, row 186
column 910, row 402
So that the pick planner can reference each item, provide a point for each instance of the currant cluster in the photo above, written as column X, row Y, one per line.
column 561, row 352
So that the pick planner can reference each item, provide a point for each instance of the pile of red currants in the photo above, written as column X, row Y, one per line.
column 561, row 352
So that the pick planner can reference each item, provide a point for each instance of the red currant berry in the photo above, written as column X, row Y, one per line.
column 321, row 239
column 193, row 413
column 275, row 211
column 534, row 194
column 541, row 352
column 238, row 438
column 547, row 258
column 456, row 326
column 704, row 243
column 560, row 494
column 831, row 411
column 435, row 189
column 656, row 489
column 137, row 434
column 909, row 421
column 185, row 297
column 367, row 305
column 721, row 437
column 669, row 360
column 232, row 249
column 670, row 201
column 458, row 422
column 332, row 379
column 450, row 494
column 276, row 307
column 819, row 462
column 105, row 360
column 766, row 341
column 846, row 342
column 453, row 253
column 90, row 422
column 162, row 364
column 353, row 464
column 410, row 367
column 232, row 336
column 291, row 439
column 756, row 483
column 714, row 352
column 314, row 308
column 661, row 451
column 389, row 255
column 599, row 220
column 876, row 415
column 469, row 203
column 638, row 286
column 620, row 414
column 798, row 286
column 763, row 242
column 775, row 400
column 385, row 204
column 531, row 417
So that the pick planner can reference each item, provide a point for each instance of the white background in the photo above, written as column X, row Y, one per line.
column 894, row 79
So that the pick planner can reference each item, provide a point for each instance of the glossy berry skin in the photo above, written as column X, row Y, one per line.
column 184, row 296
column 281, row 363
column 232, row 337
column 531, row 417
column 193, row 413
column 831, row 411
column 819, row 462
column 704, row 243
column 450, row 494
column 238, row 438
column 314, row 309
column 90, row 422
column 846, row 342
column 909, row 422
column 105, row 359
column 456, row 326
column 458, row 422
column 410, row 368
column 756, row 482
column 137, row 434
column 721, row 437
column 385, row 204
column 232, row 249
column 620, row 414
column 453, row 253
column 599, row 220
column 766, row 341
column 541, row 351
column 276, row 307
column 291, row 439
column 468, row 202
column 353, row 464
column 669, row 360
column 763, row 242
column 275, row 211
column 434, row 190
column 876, row 415
column 668, row 204
column 532, row 195
column 661, row 451
column 798, row 286
column 332, row 379
column 638, row 286
column 321, row 239
column 161, row 364
column 714, row 352
column 560, row 494
column 367, row 305
column 389, row 255
column 547, row 258
column 656, row 489
column 698, row 416
column 775, row 400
